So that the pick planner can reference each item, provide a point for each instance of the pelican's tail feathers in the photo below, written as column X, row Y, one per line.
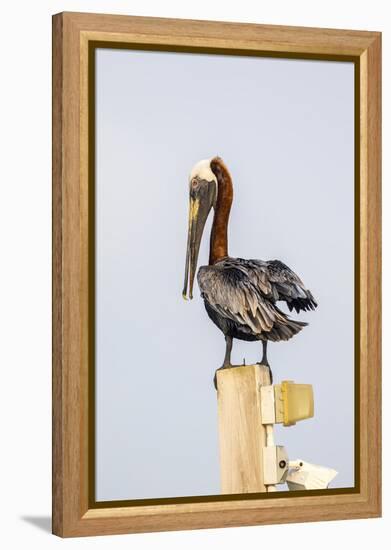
column 285, row 330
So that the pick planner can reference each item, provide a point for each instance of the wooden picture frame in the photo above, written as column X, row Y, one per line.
column 75, row 35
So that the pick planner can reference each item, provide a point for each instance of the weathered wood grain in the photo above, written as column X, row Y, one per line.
column 241, row 432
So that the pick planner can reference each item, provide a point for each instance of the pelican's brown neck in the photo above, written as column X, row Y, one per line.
column 219, row 233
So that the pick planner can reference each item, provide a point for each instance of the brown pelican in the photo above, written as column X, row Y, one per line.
column 240, row 295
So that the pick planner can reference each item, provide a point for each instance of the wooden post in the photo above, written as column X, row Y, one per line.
column 242, row 436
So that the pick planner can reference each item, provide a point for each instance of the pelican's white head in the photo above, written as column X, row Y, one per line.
column 203, row 171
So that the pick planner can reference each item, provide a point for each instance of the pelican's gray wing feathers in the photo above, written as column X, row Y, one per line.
column 289, row 287
column 242, row 292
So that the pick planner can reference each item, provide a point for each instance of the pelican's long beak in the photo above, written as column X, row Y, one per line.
column 202, row 198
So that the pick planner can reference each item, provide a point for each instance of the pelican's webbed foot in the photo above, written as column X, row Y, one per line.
column 270, row 372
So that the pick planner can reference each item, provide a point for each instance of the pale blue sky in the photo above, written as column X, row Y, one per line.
column 285, row 128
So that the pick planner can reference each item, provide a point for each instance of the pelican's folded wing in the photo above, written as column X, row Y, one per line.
column 237, row 292
column 289, row 287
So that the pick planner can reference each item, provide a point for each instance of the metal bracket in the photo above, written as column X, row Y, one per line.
column 275, row 465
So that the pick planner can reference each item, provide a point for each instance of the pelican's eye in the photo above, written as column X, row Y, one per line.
column 194, row 183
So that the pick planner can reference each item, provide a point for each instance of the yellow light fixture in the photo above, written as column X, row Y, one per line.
column 293, row 402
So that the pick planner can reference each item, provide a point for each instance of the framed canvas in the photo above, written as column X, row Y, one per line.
column 166, row 416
